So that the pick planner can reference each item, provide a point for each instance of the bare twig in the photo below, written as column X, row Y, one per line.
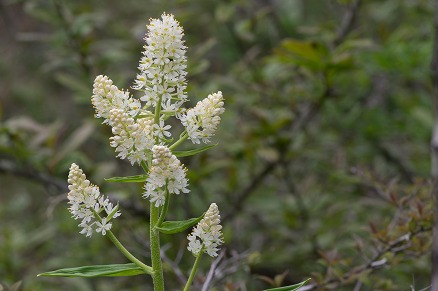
column 212, row 270
column 376, row 262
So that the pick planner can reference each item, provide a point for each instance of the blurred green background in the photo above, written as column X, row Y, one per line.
column 323, row 156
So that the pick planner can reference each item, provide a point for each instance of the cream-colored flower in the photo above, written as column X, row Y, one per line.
column 207, row 235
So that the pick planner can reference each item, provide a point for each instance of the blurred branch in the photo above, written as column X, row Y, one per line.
column 347, row 22
column 434, row 148
column 75, row 41
column 304, row 119
column 376, row 262
column 243, row 195
column 8, row 24
column 212, row 270
column 7, row 167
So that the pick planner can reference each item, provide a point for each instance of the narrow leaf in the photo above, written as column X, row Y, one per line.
column 128, row 179
column 289, row 288
column 114, row 270
column 170, row 227
column 193, row 152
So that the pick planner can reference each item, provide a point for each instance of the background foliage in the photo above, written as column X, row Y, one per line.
column 323, row 157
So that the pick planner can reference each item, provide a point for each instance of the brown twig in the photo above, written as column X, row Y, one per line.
column 376, row 262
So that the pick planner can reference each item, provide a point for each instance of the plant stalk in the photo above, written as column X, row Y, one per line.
column 155, row 250
column 194, row 269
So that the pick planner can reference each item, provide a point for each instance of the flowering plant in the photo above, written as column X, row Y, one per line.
column 141, row 135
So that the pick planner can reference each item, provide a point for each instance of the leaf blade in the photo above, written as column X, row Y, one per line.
column 294, row 287
column 112, row 270
column 128, row 179
column 193, row 152
column 171, row 227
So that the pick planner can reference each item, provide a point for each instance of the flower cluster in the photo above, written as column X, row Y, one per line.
column 207, row 236
column 166, row 174
column 87, row 203
column 107, row 96
column 163, row 65
column 201, row 121
column 131, row 137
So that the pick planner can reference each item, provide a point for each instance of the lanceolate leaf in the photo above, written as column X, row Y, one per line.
column 289, row 288
column 114, row 270
column 170, row 227
column 128, row 179
column 193, row 152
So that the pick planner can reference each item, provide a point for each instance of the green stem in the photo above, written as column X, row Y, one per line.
column 180, row 141
column 153, row 232
column 122, row 249
column 155, row 250
column 157, row 112
column 164, row 210
column 128, row 255
column 194, row 269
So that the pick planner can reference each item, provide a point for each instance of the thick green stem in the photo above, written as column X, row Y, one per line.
column 165, row 208
column 194, row 269
column 155, row 250
column 128, row 255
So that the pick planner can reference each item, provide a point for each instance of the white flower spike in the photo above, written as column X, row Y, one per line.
column 207, row 235
column 201, row 121
column 85, row 200
column 163, row 65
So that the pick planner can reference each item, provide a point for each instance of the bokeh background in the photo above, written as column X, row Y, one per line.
column 322, row 164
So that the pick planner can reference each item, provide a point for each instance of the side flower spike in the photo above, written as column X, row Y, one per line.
column 202, row 120
column 207, row 235
column 166, row 174
column 107, row 96
column 87, row 202
column 132, row 138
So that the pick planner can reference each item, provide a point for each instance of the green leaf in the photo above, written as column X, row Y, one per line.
column 289, row 288
column 128, row 179
column 193, row 152
column 170, row 227
column 114, row 270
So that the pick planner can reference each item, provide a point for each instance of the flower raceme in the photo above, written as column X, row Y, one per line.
column 202, row 120
column 162, row 82
column 206, row 236
column 132, row 138
column 166, row 174
column 107, row 96
column 87, row 203
column 163, row 66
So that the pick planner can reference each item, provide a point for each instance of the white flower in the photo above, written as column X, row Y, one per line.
column 166, row 173
column 132, row 138
column 107, row 96
column 85, row 198
column 103, row 226
column 207, row 236
column 162, row 67
column 161, row 130
column 201, row 121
